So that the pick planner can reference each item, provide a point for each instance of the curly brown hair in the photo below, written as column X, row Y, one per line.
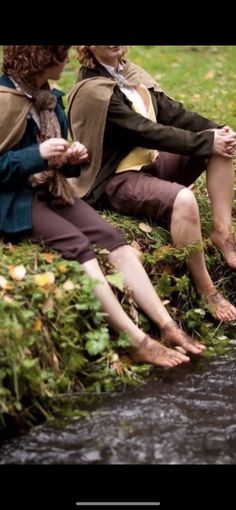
column 86, row 56
column 27, row 61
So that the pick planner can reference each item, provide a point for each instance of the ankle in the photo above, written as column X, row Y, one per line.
column 167, row 327
column 221, row 231
column 206, row 290
column 136, row 342
column 168, row 324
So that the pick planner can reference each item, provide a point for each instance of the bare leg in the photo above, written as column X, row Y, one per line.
column 144, row 348
column 185, row 229
column 145, row 296
column 220, row 182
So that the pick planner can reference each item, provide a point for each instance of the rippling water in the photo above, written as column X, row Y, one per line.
column 187, row 415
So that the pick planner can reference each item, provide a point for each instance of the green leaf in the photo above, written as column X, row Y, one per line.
column 97, row 341
column 108, row 385
column 182, row 283
column 18, row 406
column 200, row 311
column 123, row 341
column 164, row 288
column 117, row 280
column 29, row 363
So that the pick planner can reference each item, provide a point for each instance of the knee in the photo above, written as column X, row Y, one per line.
column 119, row 253
column 185, row 207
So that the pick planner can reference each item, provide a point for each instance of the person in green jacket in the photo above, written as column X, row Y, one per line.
column 38, row 202
column 145, row 150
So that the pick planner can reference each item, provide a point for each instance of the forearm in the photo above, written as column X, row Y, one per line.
column 135, row 130
column 17, row 165
column 173, row 113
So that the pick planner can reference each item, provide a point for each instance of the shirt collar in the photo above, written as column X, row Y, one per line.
column 111, row 69
column 18, row 88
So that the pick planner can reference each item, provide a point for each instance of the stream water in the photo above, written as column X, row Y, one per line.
column 182, row 416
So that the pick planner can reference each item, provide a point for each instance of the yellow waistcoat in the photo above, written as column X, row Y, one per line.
column 140, row 156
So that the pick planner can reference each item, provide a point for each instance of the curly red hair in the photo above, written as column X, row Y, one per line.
column 86, row 56
column 27, row 61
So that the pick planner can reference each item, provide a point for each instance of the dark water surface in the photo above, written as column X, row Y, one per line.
column 183, row 416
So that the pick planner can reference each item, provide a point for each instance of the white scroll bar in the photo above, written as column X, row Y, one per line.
column 118, row 503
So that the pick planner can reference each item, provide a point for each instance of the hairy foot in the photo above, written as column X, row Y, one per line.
column 171, row 334
column 227, row 245
column 219, row 306
column 151, row 351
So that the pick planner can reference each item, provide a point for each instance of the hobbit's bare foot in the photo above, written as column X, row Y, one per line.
column 151, row 351
column 172, row 334
column 219, row 307
column 227, row 245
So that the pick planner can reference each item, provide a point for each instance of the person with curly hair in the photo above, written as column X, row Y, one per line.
column 145, row 150
column 37, row 200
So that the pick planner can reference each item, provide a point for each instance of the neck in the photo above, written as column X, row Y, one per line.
column 113, row 63
column 40, row 80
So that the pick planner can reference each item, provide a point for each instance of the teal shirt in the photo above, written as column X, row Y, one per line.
column 17, row 164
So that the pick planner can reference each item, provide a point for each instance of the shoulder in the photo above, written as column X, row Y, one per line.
column 59, row 94
column 7, row 87
column 97, row 89
column 5, row 81
column 10, row 98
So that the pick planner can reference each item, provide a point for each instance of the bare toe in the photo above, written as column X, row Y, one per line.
column 152, row 351
column 219, row 307
column 173, row 335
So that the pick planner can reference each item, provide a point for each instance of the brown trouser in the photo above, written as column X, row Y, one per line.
column 151, row 192
column 71, row 230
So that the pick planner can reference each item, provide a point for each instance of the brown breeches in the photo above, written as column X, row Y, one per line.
column 151, row 192
column 72, row 230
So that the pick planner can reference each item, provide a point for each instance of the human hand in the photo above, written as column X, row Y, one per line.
column 227, row 130
column 53, row 147
column 224, row 131
column 76, row 153
column 224, row 143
